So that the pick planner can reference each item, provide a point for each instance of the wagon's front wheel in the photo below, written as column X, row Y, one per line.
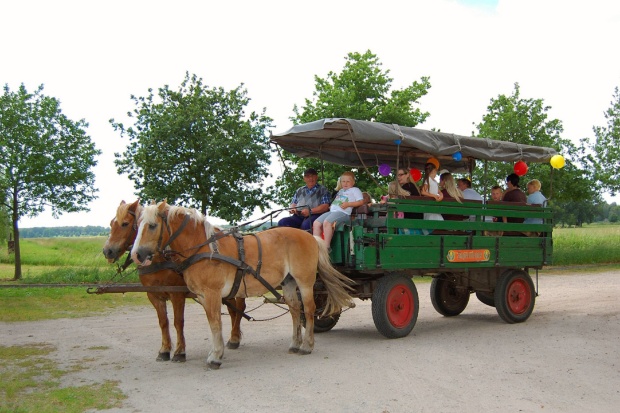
column 515, row 296
column 395, row 305
column 447, row 298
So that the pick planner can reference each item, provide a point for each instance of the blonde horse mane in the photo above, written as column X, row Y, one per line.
column 150, row 212
column 123, row 209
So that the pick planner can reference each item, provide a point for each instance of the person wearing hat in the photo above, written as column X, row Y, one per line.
column 309, row 202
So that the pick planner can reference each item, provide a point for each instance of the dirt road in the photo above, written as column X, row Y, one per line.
column 565, row 358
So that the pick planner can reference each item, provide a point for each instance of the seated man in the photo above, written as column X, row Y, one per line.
column 312, row 199
column 464, row 185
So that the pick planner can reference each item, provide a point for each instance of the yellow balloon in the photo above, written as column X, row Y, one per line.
column 557, row 161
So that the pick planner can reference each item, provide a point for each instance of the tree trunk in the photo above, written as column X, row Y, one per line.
column 18, row 258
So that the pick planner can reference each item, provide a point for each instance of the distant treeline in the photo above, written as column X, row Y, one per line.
column 51, row 232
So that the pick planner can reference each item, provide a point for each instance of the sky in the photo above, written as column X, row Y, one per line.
column 93, row 55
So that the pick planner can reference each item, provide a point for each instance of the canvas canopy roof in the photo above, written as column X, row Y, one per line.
column 357, row 144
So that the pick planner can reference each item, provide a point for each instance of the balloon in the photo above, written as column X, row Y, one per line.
column 457, row 156
column 384, row 169
column 397, row 141
column 557, row 161
column 520, row 168
column 415, row 173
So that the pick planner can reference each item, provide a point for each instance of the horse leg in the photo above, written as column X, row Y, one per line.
column 178, row 305
column 235, row 319
column 307, row 296
column 212, row 304
column 162, row 314
column 289, row 290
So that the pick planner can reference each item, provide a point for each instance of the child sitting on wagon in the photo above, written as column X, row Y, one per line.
column 347, row 198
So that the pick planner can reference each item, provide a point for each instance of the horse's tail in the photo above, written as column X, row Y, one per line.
column 335, row 283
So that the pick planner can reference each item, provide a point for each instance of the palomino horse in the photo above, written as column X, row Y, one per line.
column 123, row 231
column 219, row 263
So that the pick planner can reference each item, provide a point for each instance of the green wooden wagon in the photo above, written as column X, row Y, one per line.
column 464, row 254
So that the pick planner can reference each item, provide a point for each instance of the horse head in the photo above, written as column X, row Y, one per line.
column 123, row 230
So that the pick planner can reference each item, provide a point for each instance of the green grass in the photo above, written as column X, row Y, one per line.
column 65, row 261
column 588, row 245
column 31, row 382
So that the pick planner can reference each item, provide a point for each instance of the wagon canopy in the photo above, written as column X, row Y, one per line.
column 357, row 143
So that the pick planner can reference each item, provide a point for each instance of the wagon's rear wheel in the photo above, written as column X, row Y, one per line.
column 447, row 298
column 486, row 298
column 515, row 296
column 395, row 305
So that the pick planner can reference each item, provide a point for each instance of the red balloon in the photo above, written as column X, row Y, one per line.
column 520, row 168
column 415, row 173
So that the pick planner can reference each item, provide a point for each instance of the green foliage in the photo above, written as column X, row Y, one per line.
column 607, row 147
column 30, row 382
column 362, row 90
column 525, row 121
column 574, row 213
column 196, row 147
column 45, row 159
column 48, row 232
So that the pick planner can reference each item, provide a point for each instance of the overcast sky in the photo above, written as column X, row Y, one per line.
column 92, row 55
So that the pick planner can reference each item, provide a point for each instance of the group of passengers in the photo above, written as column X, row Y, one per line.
column 312, row 207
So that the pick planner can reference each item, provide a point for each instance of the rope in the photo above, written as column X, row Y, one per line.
column 361, row 160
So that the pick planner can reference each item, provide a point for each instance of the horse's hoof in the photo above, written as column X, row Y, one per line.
column 293, row 350
column 163, row 356
column 303, row 352
column 178, row 358
column 213, row 365
column 232, row 346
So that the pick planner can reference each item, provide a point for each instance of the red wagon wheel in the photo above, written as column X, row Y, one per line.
column 515, row 296
column 395, row 305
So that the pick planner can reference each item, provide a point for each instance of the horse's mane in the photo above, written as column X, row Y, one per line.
column 123, row 210
column 149, row 215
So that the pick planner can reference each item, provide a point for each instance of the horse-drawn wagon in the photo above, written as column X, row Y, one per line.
column 463, row 255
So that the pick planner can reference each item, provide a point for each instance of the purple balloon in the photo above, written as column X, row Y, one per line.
column 384, row 169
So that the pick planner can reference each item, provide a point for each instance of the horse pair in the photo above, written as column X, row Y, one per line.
column 218, row 264
column 123, row 231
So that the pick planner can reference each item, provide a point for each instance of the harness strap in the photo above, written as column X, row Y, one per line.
column 176, row 233
column 158, row 266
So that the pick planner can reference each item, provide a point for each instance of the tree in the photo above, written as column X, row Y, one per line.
column 525, row 121
column 45, row 159
column 607, row 148
column 197, row 148
column 362, row 90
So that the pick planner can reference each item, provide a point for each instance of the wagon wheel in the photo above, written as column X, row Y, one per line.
column 395, row 305
column 515, row 296
column 321, row 324
column 447, row 299
column 486, row 298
